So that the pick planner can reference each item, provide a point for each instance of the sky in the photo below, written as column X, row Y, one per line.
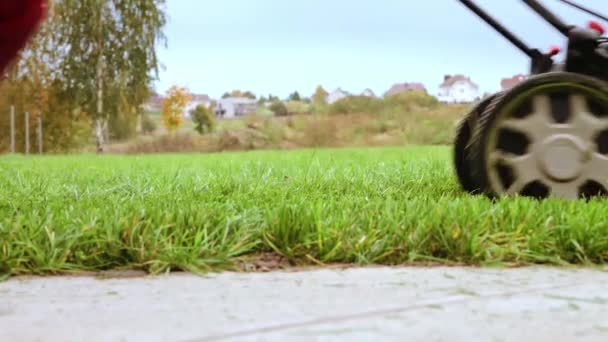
column 281, row 46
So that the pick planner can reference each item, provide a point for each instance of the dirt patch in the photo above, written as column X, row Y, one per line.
column 271, row 262
column 118, row 274
column 265, row 262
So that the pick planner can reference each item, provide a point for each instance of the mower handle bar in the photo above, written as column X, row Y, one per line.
column 549, row 16
column 537, row 7
column 532, row 53
column 585, row 9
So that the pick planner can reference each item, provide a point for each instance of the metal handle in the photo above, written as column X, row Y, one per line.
column 501, row 29
column 549, row 16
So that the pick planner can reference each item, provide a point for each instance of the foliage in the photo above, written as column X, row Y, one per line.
column 239, row 93
column 319, row 100
column 263, row 111
column 204, row 119
column 398, row 104
column 356, row 104
column 412, row 100
column 273, row 98
column 122, row 127
column 297, row 107
column 148, row 125
column 320, row 96
column 35, row 85
column 109, row 55
column 279, row 108
column 389, row 127
column 91, row 62
column 174, row 106
column 295, row 96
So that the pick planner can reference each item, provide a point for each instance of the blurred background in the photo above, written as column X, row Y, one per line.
column 147, row 76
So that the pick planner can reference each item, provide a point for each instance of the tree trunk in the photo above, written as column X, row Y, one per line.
column 100, row 72
column 99, row 136
column 27, row 133
column 12, row 129
column 39, row 131
column 106, row 131
column 139, row 128
column 100, row 122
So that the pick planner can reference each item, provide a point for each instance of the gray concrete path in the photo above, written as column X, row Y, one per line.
column 377, row 304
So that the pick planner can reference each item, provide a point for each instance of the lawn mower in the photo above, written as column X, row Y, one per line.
column 546, row 137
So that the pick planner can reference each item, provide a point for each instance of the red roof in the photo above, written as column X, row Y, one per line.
column 401, row 87
column 508, row 83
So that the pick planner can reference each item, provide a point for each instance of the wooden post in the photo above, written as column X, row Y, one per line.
column 39, row 133
column 27, row 133
column 12, row 129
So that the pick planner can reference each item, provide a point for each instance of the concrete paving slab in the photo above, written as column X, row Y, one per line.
column 369, row 304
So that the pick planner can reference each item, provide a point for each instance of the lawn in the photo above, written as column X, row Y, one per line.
column 202, row 212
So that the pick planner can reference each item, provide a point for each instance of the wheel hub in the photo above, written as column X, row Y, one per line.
column 563, row 157
column 546, row 138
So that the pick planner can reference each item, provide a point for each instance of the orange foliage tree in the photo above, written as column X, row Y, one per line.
column 174, row 106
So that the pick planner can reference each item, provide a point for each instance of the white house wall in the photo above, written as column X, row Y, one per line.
column 460, row 92
column 336, row 96
column 232, row 105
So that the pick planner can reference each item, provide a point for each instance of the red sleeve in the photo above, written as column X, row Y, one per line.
column 18, row 21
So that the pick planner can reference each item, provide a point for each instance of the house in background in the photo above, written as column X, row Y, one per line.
column 154, row 103
column 196, row 100
column 458, row 89
column 368, row 93
column 401, row 87
column 508, row 83
column 337, row 95
column 234, row 107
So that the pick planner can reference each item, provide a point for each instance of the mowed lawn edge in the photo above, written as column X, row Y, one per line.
column 206, row 212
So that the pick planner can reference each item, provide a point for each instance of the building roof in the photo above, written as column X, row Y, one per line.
column 368, row 91
column 157, row 99
column 449, row 80
column 339, row 90
column 406, row 86
column 510, row 82
column 200, row 97
column 238, row 100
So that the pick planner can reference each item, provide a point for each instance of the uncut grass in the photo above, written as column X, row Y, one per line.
column 204, row 212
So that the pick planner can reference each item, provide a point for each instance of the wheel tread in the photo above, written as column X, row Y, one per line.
column 488, row 116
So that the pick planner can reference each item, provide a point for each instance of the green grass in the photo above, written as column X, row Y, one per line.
column 204, row 212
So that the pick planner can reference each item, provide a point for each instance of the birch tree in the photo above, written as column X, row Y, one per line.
column 109, row 56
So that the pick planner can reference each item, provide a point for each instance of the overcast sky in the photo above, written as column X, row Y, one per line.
column 279, row 46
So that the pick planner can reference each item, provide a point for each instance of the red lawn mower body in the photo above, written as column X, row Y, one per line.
column 19, row 19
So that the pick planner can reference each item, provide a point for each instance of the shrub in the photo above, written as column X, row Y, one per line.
column 263, row 111
column 297, row 107
column 321, row 132
column 411, row 100
column 356, row 104
column 173, row 106
column 122, row 127
column 279, row 108
column 148, row 126
column 274, row 131
column 203, row 119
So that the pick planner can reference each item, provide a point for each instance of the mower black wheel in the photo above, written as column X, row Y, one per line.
column 545, row 138
column 464, row 133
